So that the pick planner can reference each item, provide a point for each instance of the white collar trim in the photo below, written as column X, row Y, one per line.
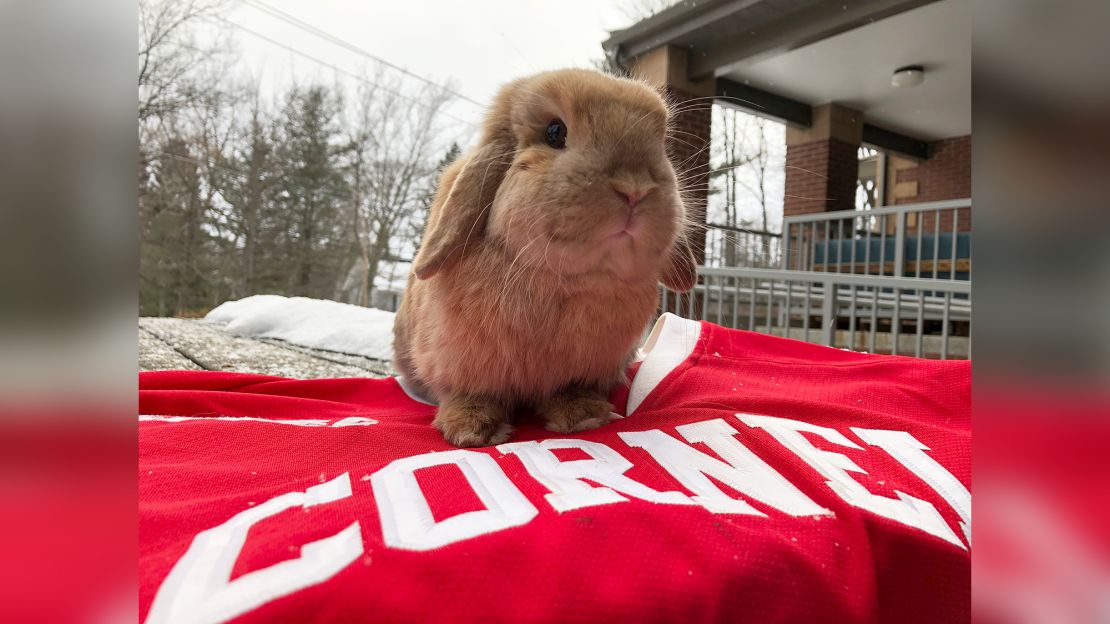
column 670, row 342
column 412, row 392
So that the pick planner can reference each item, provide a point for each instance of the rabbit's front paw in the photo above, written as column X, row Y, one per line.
column 577, row 410
column 473, row 421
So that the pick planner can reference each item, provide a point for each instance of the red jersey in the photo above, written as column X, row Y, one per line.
column 751, row 478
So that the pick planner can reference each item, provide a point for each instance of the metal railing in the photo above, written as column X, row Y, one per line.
column 923, row 317
column 727, row 246
column 927, row 240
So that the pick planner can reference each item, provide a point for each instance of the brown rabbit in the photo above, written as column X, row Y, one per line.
column 544, row 247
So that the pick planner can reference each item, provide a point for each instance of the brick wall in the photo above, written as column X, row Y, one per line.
column 688, row 147
column 946, row 174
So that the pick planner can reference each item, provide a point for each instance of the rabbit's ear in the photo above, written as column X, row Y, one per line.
column 680, row 272
column 457, row 219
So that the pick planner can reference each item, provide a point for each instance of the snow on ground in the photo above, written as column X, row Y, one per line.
column 314, row 323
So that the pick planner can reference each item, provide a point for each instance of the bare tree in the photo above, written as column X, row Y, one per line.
column 637, row 10
column 728, row 168
column 634, row 11
column 170, row 52
column 753, row 137
column 732, row 156
column 392, row 166
column 744, row 162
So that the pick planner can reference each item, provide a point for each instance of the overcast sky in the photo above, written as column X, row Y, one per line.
column 473, row 46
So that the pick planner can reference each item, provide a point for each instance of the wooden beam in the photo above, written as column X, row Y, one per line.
column 894, row 142
column 763, row 103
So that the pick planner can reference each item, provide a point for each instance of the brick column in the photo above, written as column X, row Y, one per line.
column 822, row 164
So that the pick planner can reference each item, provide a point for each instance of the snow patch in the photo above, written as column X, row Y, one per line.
column 314, row 323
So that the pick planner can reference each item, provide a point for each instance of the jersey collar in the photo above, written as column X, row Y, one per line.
column 670, row 342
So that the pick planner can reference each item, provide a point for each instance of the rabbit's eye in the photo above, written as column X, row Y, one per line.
column 556, row 134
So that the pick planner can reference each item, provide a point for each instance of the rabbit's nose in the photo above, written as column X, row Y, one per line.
column 629, row 192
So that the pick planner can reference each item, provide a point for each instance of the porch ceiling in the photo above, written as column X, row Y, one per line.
column 817, row 51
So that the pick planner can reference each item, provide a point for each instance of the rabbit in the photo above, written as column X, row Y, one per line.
column 541, row 259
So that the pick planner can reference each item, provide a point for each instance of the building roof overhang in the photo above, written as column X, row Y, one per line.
column 788, row 55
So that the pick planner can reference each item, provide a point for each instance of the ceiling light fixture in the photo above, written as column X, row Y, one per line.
column 908, row 76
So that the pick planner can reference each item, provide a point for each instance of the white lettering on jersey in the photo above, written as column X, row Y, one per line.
column 198, row 589
column 407, row 520
column 349, row 421
column 835, row 467
column 911, row 453
column 744, row 472
column 564, row 478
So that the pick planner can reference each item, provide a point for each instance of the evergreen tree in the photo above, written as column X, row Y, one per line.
column 313, row 238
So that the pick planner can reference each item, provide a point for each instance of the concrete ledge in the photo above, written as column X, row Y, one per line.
column 191, row 344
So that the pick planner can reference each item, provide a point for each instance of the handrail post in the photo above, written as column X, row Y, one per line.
column 786, row 231
column 899, row 244
column 828, row 314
